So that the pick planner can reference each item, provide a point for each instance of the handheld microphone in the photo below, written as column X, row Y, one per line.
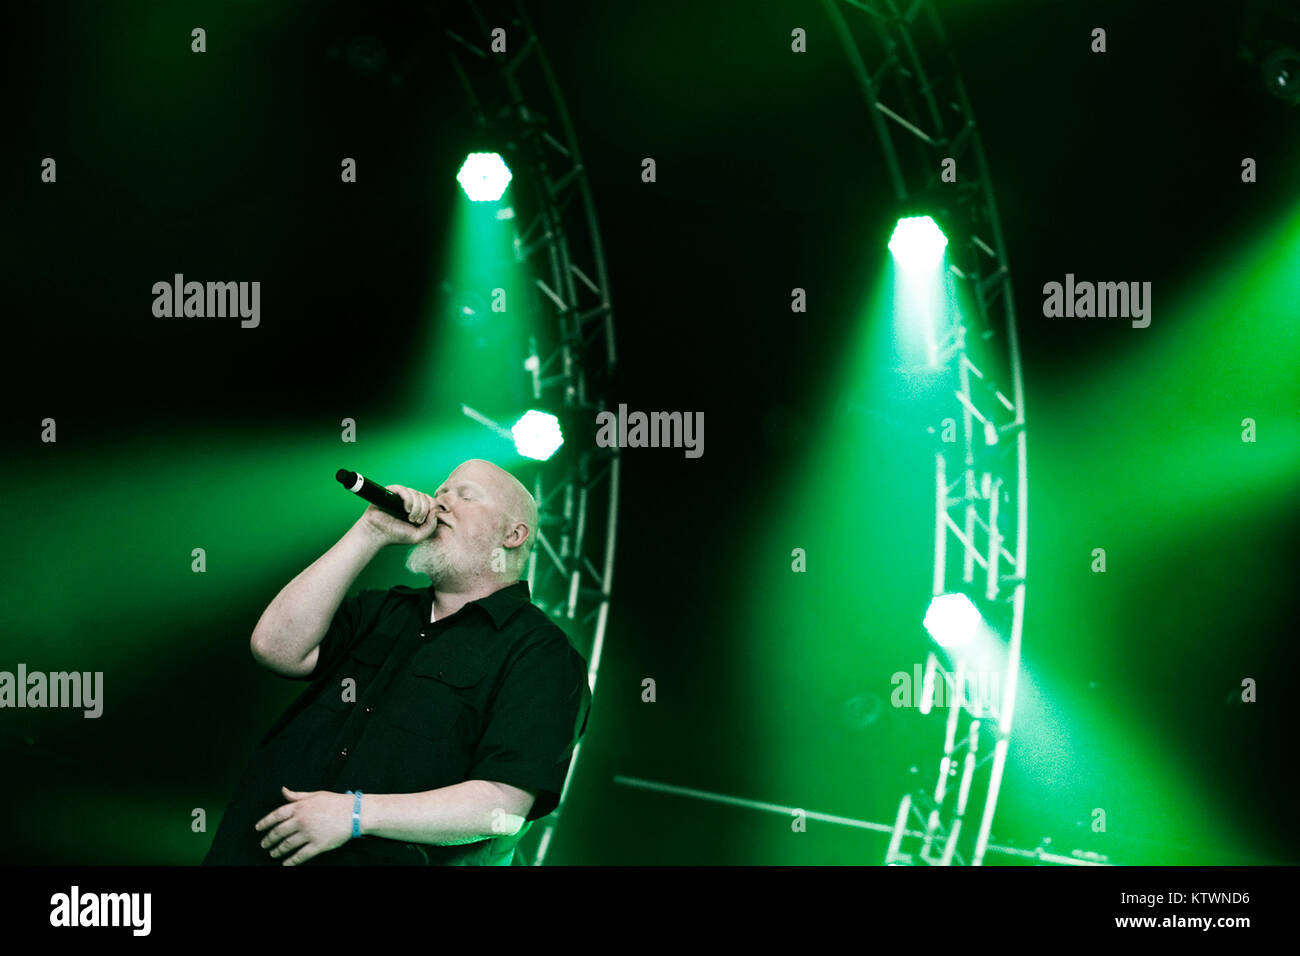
column 386, row 501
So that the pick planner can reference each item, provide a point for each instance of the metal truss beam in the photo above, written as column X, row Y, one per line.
column 922, row 117
column 572, row 356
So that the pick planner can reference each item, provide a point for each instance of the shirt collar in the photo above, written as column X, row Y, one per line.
column 499, row 605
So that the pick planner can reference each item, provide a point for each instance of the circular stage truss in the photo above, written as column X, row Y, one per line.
column 513, row 93
column 922, row 118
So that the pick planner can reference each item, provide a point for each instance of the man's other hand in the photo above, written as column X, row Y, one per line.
column 308, row 825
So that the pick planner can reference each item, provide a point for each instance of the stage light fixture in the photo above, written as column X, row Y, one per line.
column 484, row 176
column 537, row 435
column 917, row 243
column 952, row 620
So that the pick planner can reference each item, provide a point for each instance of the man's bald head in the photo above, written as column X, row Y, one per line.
column 516, row 502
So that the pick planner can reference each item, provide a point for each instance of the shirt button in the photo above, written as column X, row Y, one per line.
column 343, row 752
column 367, row 710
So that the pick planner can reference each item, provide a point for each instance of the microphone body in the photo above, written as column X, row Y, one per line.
column 379, row 496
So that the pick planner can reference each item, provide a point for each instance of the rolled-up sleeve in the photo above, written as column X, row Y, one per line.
column 536, row 720
column 356, row 615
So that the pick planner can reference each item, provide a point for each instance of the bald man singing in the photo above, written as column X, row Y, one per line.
column 439, row 722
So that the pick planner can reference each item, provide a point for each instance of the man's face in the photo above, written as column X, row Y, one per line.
column 471, row 526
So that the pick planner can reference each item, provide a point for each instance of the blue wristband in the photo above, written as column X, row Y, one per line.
column 356, row 815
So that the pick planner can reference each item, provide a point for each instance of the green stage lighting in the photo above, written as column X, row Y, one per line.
column 951, row 620
column 917, row 243
column 484, row 176
column 537, row 435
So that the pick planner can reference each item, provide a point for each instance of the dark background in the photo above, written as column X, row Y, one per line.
column 1122, row 166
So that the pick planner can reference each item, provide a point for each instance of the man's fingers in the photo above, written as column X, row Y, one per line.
column 271, row 819
column 415, row 506
column 420, row 507
column 279, row 833
column 289, row 844
column 306, row 853
column 407, row 496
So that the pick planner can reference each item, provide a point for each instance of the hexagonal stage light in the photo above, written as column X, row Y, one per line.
column 952, row 620
column 917, row 243
column 537, row 435
column 484, row 176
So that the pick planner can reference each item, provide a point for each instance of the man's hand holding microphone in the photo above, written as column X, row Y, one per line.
column 421, row 521
column 397, row 514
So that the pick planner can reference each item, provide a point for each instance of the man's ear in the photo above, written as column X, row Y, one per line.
column 517, row 534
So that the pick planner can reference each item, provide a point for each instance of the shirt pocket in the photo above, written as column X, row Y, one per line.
column 362, row 666
column 438, row 696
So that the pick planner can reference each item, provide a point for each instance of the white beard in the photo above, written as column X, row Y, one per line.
column 454, row 561
column 443, row 562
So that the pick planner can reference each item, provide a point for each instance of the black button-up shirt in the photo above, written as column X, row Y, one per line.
column 400, row 705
